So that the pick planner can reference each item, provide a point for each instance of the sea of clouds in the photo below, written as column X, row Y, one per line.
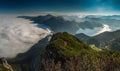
column 96, row 31
column 17, row 35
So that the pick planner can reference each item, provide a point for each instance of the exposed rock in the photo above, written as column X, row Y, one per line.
column 6, row 65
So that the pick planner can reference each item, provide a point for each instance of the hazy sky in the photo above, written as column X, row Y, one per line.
column 37, row 6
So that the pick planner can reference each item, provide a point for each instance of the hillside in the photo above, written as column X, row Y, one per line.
column 65, row 45
column 104, row 40
column 65, row 52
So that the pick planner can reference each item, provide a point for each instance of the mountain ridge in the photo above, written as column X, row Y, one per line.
column 104, row 39
column 66, row 54
column 60, row 24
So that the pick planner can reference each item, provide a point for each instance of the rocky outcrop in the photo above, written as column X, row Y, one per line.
column 6, row 65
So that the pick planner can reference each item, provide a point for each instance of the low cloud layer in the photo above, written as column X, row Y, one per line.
column 18, row 35
column 105, row 28
column 95, row 31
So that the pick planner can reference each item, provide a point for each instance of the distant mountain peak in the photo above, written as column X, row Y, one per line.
column 49, row 15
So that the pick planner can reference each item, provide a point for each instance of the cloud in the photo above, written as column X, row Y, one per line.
column 18, row 35
column 105, row 28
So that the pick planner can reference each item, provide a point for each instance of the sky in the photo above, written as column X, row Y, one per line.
column 63, row 6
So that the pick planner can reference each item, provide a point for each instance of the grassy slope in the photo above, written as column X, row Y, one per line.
column 66, row 45
column 91, row 58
